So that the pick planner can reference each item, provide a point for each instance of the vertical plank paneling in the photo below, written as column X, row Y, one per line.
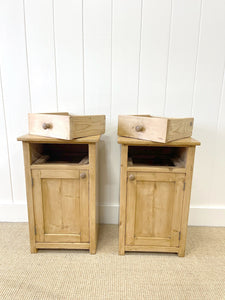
column 126, row 33
column 97, row 56
column 15, row 87
column 97, row 69
column 156, row 20
column 217, row 174
column 69, row 55
column 41, row 56
column 114, row 57
column 182, row 57
column 5, row 182
column 125, row 55
column 207, row 96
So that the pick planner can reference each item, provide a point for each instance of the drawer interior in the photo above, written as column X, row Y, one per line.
column 59, row 153
column 157, row 156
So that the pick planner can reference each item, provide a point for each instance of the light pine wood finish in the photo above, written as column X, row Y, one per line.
column 61, row 196
column 123, row 179
column 30, row 205
column 156, row 129
column 65, row 126
column 179, row 143
column 154, row 200
column 39, row 139
column 93, row 204
column 187, row 197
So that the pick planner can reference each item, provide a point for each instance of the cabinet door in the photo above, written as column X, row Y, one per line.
column 61, row 205
column 154, row 208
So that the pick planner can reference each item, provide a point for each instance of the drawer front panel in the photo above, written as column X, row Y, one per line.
column 145, row 128
column 50, row 125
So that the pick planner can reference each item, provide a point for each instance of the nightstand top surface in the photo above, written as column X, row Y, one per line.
column 178, row 143
column 41, row 139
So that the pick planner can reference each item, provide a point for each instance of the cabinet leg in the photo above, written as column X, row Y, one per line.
column 92, row 251
column 181, row 252
column 121, row 250
column 33, row 250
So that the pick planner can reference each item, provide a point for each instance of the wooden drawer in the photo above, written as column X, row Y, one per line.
column 66, row 126
column 157, row 129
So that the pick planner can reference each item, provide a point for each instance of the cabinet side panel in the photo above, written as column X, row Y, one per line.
column 92, row 198
column 187, row 195
column 30, row 207
column 123, row 190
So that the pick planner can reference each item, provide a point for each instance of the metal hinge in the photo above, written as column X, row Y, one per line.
column 179, row 235
column 184, row 186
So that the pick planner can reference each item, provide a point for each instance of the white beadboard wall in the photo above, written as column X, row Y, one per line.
column 114, row 57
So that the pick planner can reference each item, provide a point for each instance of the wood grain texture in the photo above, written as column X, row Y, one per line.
column 41, row 139
column 30, row 203
column 187, row 197
column 92, row 199
column 151, row 248
column 178, row 143
column 84, row 207
column 154, row 209
column 123, row 191
column 62, row 204
column 154, row 205
column 154, row 128
column 66, row 126
column 82, row 126
column 62, row 245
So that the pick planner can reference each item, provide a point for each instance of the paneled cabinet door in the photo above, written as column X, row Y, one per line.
column 61, row 205
column 154, row 208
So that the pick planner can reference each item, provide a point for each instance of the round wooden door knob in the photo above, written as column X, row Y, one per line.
column 131, row 177
column 83, row 175
column 139, row 128
column 46, row 126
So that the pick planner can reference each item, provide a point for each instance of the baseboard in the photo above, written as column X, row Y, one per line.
column 13, row 212
column 109, row 214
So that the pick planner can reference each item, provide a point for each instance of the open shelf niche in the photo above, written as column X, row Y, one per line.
column 59, row 153
column 157, row 156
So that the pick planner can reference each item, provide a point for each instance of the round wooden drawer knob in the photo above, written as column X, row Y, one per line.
column 131, row 177
column 46, row 126
column 83, row 175
column 139, row 128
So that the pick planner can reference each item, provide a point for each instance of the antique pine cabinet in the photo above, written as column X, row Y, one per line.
column 61, row 183
column 155, row 189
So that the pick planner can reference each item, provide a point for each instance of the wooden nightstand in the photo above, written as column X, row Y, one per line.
column 155, row 189
column 61, row 182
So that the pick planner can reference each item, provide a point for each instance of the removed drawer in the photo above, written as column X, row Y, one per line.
column 66, row 126
column 157, row 129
